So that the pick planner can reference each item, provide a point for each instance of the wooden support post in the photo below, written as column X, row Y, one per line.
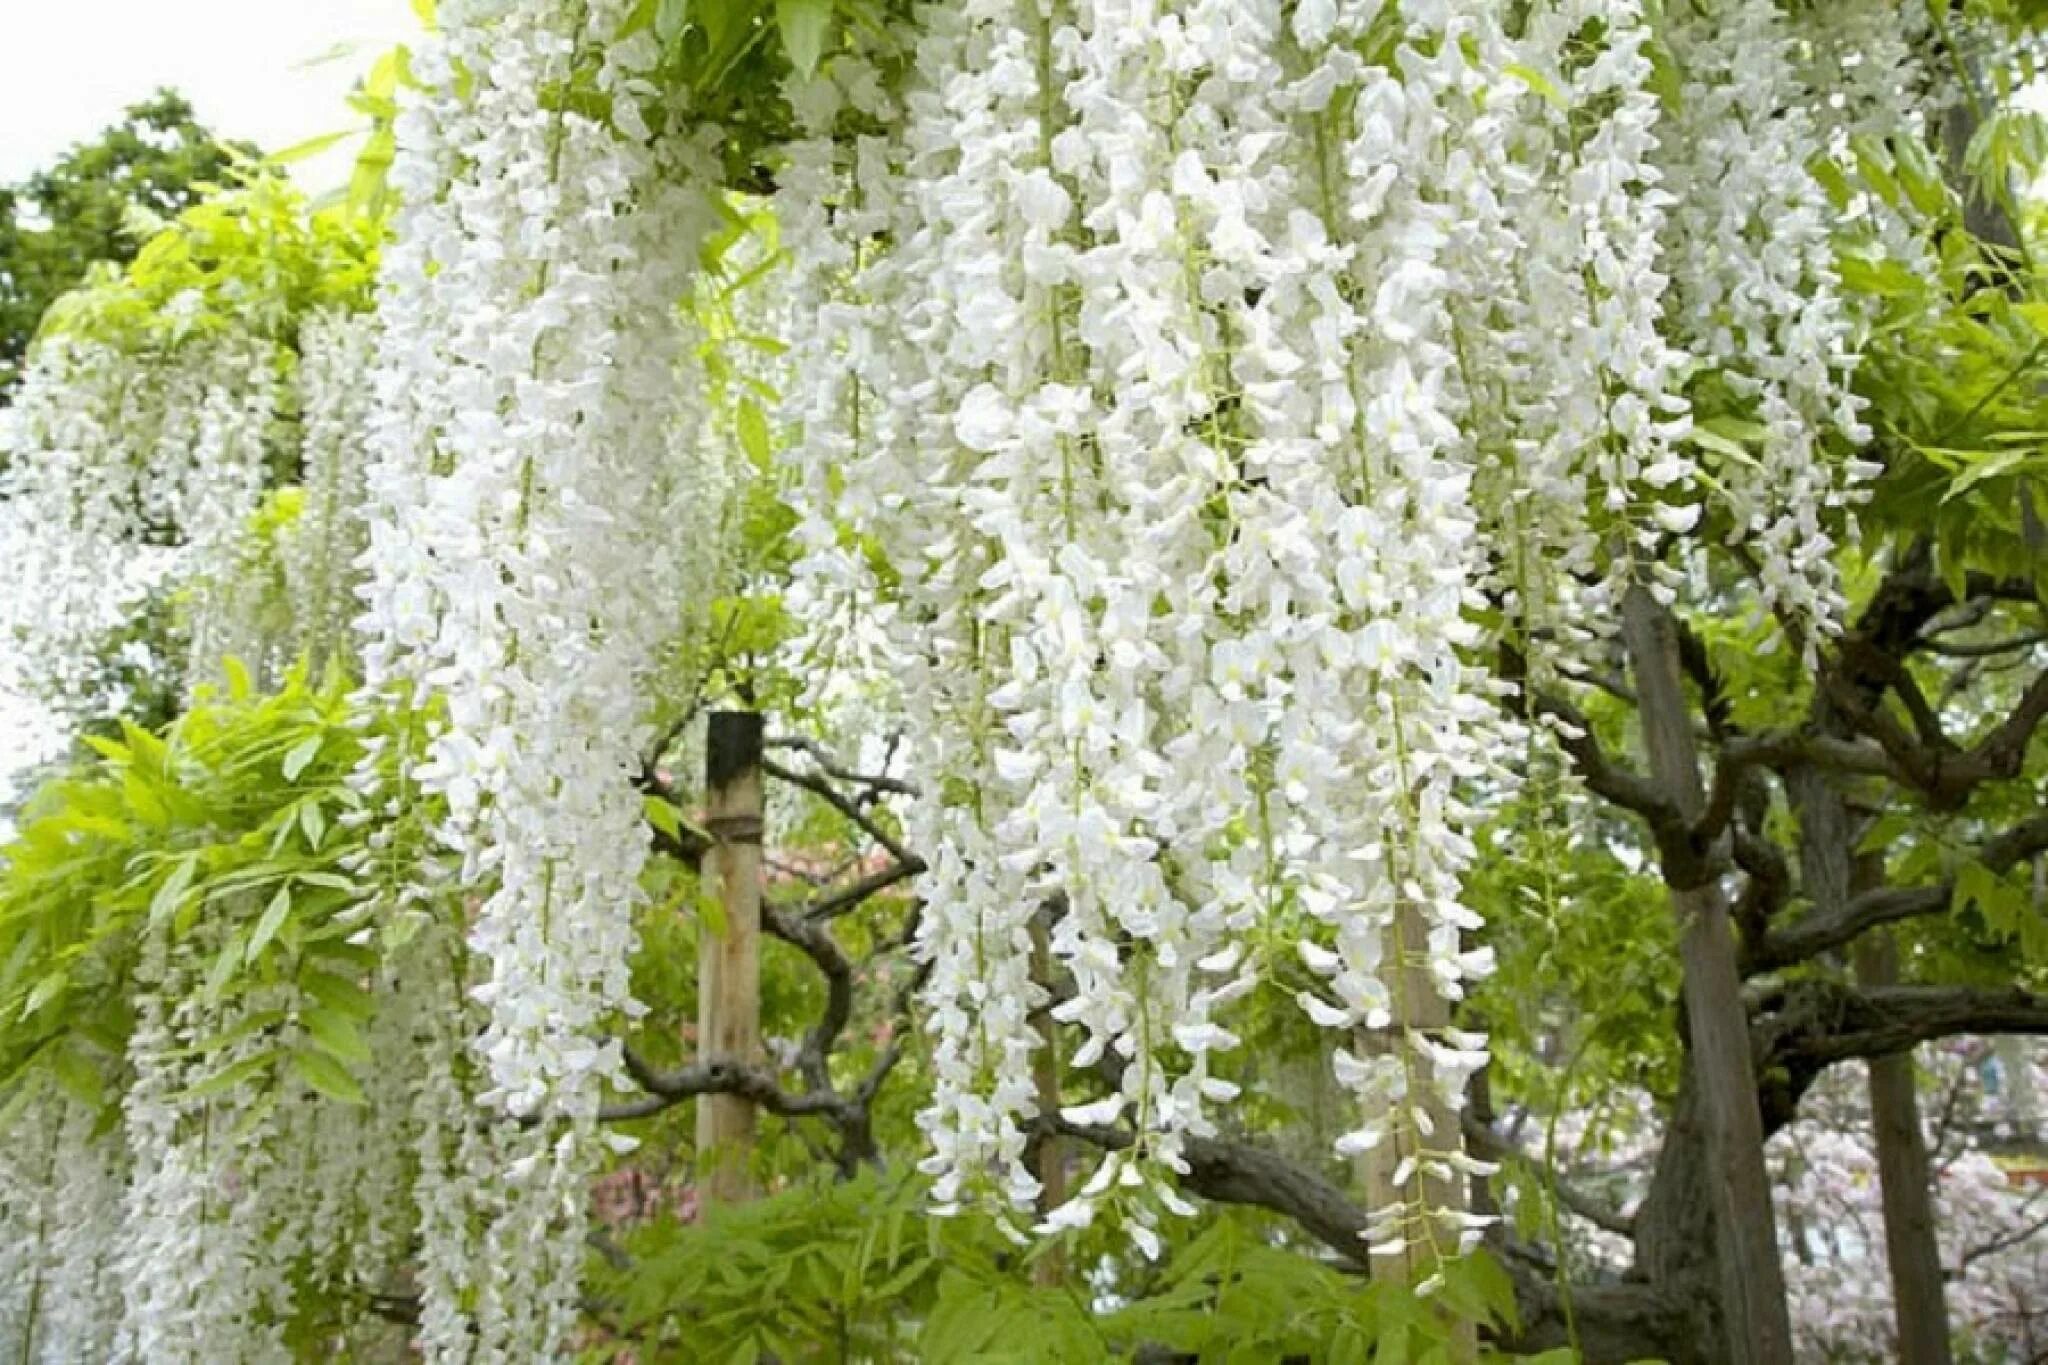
column 1756, row 1318
column 729, row 964
column 1418, row 1008
column 1050, row 1269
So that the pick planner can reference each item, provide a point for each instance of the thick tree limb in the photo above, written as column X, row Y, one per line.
column 814, row 942
column 1613, row 1321
column 666, row 1089
column 1608, row 779
column 1986, row 649
column 1879, row 1021
column 875, row 783
column 1820, row 932
column 833, row 904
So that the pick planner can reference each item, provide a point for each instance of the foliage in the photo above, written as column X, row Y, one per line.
column 855, row 1270
column 251, row 259
column 239, row 816
column 98, row 204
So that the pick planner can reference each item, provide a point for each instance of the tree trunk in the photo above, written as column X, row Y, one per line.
column 1756, row 1322
column 1918, row 1304
column 1833, row 872
column 729, row 963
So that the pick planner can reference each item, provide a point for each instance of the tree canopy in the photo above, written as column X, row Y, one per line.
column 1397, row 656
column 99, row 202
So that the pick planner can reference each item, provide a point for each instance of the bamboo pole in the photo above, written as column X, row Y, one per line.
column 729, row 962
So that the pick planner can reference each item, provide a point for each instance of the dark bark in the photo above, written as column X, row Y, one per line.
column 1832, row 872
column 1756, row 1322
column 1919, row 1307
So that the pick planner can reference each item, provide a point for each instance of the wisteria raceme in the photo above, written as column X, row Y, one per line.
column 83, row 493
column 1227, row 378
column 80, row 1304
column 513, row 518
column 33, row 1129
column 1758, row 298
column 1127, row 580
column 189, row 1261
column 522, row 571
column 1866, row 57
column 336, row 351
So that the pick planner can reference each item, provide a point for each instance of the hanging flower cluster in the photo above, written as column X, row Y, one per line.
column 60, row 1205
column 1195, row 396
column 516, row 554
column 1758, row 298
column 195, row 1271
column 125, row 473
column 336, row 352
column 1193, row 377
column 523, row 570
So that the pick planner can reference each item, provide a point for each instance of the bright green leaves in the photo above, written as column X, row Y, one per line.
column 806, row 27
column 337, row 1035
column 272, row 920
column 228, row 822
column 857, row 1263
column 1540, row 84
column 174, row 893
column 256, row 257
column 301, row 754
column 753, row 434
column 2000, row 912
column 368, row 195
column 1954, row 366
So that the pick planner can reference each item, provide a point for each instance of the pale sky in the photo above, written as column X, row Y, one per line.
column 68, row 67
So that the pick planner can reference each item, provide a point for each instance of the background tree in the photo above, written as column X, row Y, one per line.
column 158, row 160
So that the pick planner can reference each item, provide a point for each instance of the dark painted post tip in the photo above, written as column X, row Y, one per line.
column 732, row 746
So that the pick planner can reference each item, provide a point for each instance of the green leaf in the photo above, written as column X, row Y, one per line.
column 272, row 920
column 227, row 1078
column 1875, row 165
column 298, row 151
column 806, row 26
column 711, row 912
column 313, row 820
column 168, row 896
column 337, row 993
column 302, row 754
column 753, row 431
column 76, row 1073
column 1707, row 439
column 222, row 971
column 108, row 749
column 327, row 1076
column 46, row 990
column 336, row 1034
column 1539, row 83
column 663, row 816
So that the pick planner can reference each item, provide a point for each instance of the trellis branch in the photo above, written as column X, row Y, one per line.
column 1818, row 933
